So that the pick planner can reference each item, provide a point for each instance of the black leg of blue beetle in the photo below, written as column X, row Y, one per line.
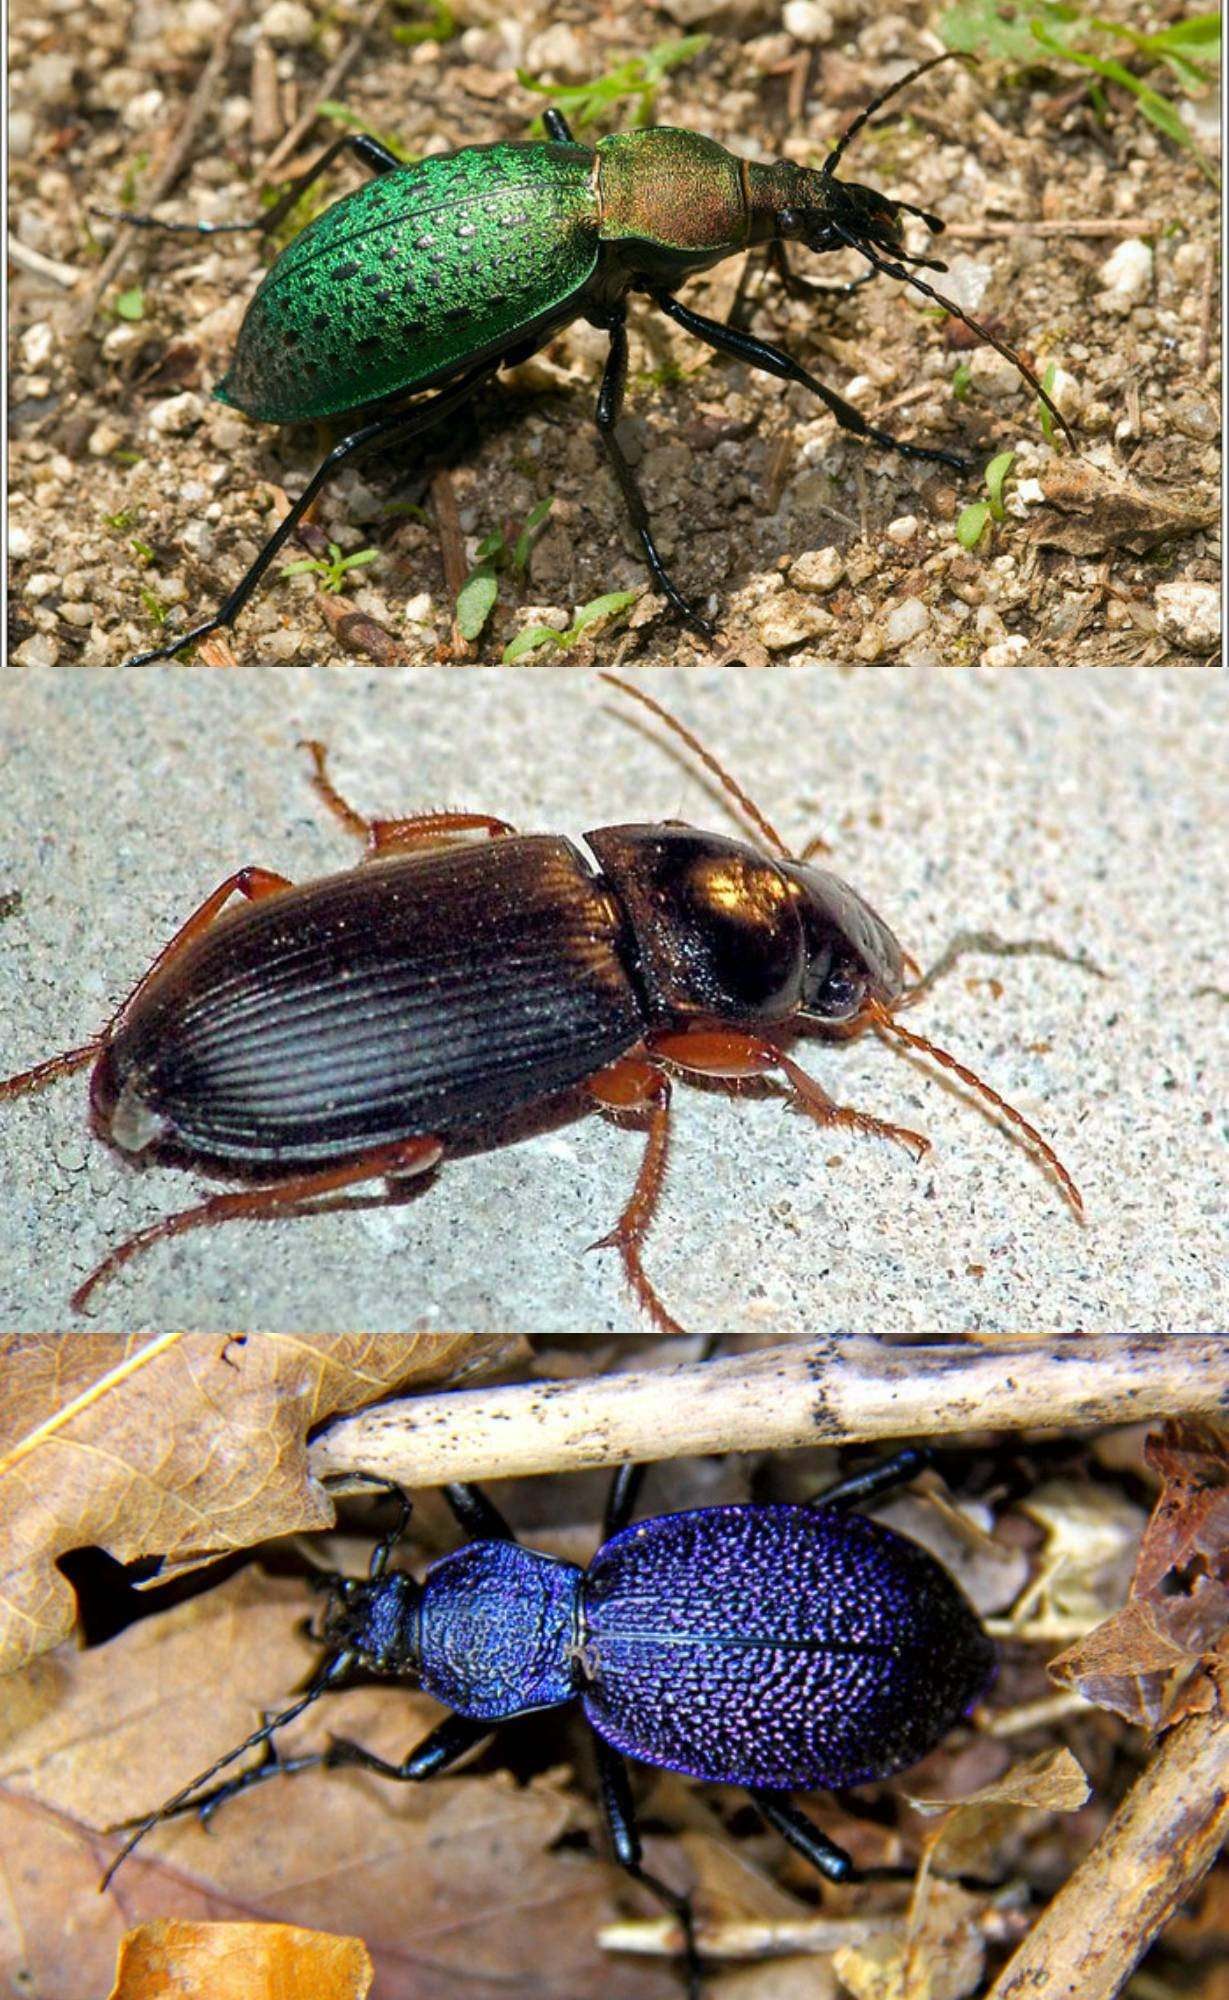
column 446, row 1743
column 369, row 151
column 624, row 1489
column 625, row 1840
column 609, row 404
column 396, row 428
column 557, row 127
column 481, row 1520
column 804, row 1836
column 775, row 361
column 898, row 1470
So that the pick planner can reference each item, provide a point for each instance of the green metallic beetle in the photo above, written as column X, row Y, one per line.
column 435, row 275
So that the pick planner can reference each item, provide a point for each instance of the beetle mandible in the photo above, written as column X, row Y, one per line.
column 435, row 275
column 348, row 1029
column 777, row 1648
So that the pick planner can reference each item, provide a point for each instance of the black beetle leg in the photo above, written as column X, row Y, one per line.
column 890, row 1473
column 625, row 1839
column 799, row 287
column 368, row 150
column 609, row 404
column 804, row 1836
column 480, row 1518
column 775, row 361
column 557, row 127
column 395, row 428
column 624, row 1488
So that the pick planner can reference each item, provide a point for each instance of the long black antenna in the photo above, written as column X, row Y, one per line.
column 332, row 1672
column 894, row 270
column 868, row 111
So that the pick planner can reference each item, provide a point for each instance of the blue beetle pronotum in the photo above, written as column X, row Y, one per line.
column 777, row 1648
column 349, row 1029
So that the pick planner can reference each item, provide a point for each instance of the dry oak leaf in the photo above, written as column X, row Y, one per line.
column 182, row 1446
column 1150, row 1662
column 240, row 1962
column 1087, row 512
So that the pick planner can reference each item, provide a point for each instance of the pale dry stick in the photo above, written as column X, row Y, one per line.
column 755, row 1938
column 1121, row 225
column 452, row 550
column 174, row 163
column 831, row 1391
column 328, row 89
column 39, row 266
column 1159, row 1844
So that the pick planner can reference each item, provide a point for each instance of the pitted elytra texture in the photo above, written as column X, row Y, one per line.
column 425, row 268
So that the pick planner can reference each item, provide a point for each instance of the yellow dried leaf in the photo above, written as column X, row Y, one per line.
column 239, row 1962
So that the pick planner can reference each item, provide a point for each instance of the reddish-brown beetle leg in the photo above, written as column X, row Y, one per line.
column 729, row 1052
column 637, row 1086
column 391, row 836
column 250, row 882
column 407, row 1156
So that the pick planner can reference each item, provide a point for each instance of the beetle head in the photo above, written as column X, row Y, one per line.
column 374, row 1620
column 851, row 955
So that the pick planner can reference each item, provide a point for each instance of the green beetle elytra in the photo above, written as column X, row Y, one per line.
column 434, row 275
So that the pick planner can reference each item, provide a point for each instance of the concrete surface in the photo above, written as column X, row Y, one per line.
column 1086, row 808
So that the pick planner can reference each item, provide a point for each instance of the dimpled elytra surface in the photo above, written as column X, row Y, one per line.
column 498, row 1625
column 776, row 1646
column 427, row 267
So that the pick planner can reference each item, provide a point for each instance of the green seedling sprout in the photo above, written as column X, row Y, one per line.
column 1059, row 32
column 332, row 570
column 973, row 521
column 613, row 605
column 636, row 82
column 441, row 27
column 477, row 595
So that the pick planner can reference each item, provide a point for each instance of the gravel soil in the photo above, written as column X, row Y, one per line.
column 136, row 499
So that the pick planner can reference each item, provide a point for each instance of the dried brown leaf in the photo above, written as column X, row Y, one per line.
column 183, row 1446
column 1087, row 512
column 1149, row 1662
column 239, row 1962
column 1052, row 1782
column 941, row 1956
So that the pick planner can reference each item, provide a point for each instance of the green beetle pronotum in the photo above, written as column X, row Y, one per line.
column 435, row 275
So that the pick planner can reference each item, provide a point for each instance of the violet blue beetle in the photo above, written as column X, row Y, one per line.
column 778, row 1648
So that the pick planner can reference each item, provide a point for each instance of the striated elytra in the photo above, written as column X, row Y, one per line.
column 778, row 1648
column 358, row 1027
column 438, row 273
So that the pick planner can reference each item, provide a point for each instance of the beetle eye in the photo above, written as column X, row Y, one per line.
column 841, row 993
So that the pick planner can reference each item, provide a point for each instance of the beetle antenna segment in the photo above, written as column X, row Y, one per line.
column 736, row 792
column 330, row 1673
column 885, row 1024
column 62, row 1065
column 868, row 111
column 896, row 270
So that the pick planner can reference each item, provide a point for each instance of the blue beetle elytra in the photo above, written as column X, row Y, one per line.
column 778, row 1648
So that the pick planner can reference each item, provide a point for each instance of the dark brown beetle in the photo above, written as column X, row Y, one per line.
column 350, row 1028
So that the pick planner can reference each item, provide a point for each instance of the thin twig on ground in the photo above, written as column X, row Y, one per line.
column 328, row 89
column 1159, row 1844
column 832, row 1391
column 173, row 165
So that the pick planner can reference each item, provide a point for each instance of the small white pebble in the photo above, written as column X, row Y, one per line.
column 858, row 387
column 289, row 22
column 1127, row 272
column 1005, row 652
column 419, row 609
column 1188, row 614
column 41, row 584
column 198, row 539
column 906, row 621
column 20, row 542
column 40, row 650
column 80, row 615
column 103, row 439
column 817, row 569
column 903, row 529
column 143, row 110
column 808, row 21
column 37, row 344
column 177, row 414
